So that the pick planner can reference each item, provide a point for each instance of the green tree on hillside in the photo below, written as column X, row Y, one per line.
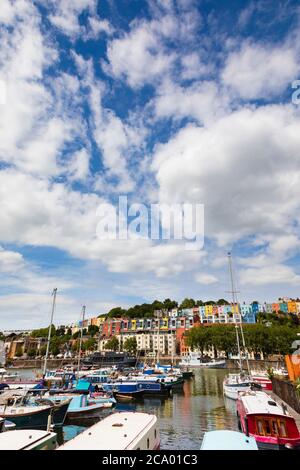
column 112, row 344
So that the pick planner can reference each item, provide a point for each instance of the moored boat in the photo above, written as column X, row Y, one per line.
column 233, row 384
column 119, row 431
column 268, row 422
column 28, row 440
column 194, row 359
column 132, row 389
column 227, row 440
column 27, row 417
column 82, row 407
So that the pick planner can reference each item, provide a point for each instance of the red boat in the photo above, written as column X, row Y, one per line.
column 268, row 422
column 263, row 381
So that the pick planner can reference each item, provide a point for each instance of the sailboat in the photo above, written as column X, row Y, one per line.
column 233, row 384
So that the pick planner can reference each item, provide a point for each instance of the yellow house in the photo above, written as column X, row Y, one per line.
column 292, row 307
column 133, row 324
column 165, row 322
column 208, row 309
column 298, row 306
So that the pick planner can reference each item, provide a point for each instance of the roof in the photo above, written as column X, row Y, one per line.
column 17, row 440
column 118, row 431
column 260, row 403
column 228, row 440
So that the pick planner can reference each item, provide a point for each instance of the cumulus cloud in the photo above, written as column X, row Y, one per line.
column 205, row 278
column 260, row 72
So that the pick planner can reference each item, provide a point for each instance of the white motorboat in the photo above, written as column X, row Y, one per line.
column 119, row 431
column 28, row 440
column 194, row 359
column 233, row 384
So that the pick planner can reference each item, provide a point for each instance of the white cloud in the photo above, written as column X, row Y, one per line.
column 10, row 261
column 204, row 278
column 138, row 56
column 274, row 274
column 203, row 101
column 240, row 167
column 257, row 72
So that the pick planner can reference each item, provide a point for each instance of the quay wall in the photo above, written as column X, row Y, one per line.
column 286, row 390
column 56, row 363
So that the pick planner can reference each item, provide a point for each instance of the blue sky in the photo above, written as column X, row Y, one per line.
column 174, row 101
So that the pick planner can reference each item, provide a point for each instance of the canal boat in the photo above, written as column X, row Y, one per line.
column 227, row 440
column 119, row 431
column 233, row 384
column 193, row 359
column 268, row 422
column 131, row 389
column 261, row 378
column 28, row 440
column 82, row 407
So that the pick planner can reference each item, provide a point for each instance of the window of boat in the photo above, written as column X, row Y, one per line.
column 148, row 443
column 260, row 427
column 267, row 427
column 155, row 433
column 274, row 428
column 282, row 428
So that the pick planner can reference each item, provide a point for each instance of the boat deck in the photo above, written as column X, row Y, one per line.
column 119, row 431
column 292, row 412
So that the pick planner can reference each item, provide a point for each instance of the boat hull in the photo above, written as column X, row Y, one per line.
column 233, row 392
column 37, row 419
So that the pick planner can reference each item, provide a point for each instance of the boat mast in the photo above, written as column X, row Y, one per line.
column 50, row 327
column 235, row 302
column 80, row 341
column 233, row 292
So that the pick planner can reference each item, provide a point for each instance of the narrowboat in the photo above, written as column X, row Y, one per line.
column 268, row 422
column 119, row 431
column 262, row 379
column 132, row 389
column 227, row 440
column 28, row 440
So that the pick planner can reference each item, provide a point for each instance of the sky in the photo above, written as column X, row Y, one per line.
column 162, row 101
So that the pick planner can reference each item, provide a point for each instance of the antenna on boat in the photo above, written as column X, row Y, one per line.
column 80, row 341
column 50, row 328
column 235, row 303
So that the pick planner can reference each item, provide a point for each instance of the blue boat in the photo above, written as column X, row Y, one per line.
column 82, row 406
column 154, row 388
column 129, row 389
column 228, row 440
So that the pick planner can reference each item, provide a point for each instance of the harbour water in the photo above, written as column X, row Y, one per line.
column 183, row 418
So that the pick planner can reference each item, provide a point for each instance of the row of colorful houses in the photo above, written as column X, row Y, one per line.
column 176, row 318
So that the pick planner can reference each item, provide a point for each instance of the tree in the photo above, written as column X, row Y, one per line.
column 93, row 329
column 187, row 303
column 89, row 345
column 130, row 345
column 200, row 338
column 31, row 353
column 170, row 304
column 116, row 312
column 43, row 332
column 112, row 344
column 76, row 334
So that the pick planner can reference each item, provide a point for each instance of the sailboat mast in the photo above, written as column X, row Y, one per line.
column 233, row 292
column 50, row 327
column 80, row 341
column 235, row 302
